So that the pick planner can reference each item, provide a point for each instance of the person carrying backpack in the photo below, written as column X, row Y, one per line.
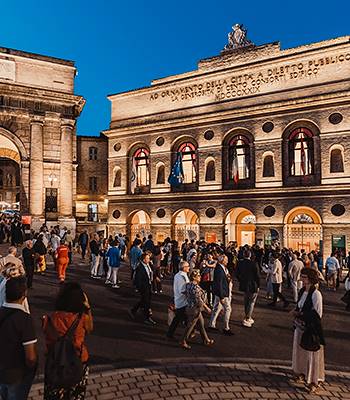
column 66, row 367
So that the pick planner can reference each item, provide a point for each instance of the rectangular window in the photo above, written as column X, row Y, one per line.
column 92, row 153
column 93, row 184
column 93, row 212
column 51, row 200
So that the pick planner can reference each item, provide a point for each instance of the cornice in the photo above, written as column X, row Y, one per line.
column 279, row 193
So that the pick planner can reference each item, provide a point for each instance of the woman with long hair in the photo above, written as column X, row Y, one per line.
column 308, row 352
column 72, row 307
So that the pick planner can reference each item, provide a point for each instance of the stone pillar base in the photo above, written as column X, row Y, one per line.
column 37, row 222
column 70, row 223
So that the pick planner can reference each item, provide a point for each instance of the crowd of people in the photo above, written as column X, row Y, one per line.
column 202, row 276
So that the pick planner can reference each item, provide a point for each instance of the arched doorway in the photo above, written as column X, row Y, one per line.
column 140, row 223
column 240, row 227
column 9, row 175
column 302, row 229
column 185, row 225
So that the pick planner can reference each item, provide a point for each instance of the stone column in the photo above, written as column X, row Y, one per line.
column 66, row 172
column 36, row 203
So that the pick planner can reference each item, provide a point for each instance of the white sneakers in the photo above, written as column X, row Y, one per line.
column 248, row 323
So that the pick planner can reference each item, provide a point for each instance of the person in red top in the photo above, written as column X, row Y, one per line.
column 71, row 303
column 62, row 260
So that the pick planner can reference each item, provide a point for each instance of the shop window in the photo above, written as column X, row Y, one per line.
column 336, row 162
column 268, row 167
column 210, row 171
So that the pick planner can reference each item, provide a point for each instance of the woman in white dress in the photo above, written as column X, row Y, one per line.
column 308, row 366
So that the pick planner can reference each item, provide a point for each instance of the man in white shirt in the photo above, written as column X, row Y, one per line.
column 277, row 279
column 180, row 300
column 332, row 268
column 294, row 268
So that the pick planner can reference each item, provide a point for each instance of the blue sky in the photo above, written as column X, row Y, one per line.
column 123, row 45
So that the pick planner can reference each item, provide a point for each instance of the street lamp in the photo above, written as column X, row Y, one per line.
column 52, row 178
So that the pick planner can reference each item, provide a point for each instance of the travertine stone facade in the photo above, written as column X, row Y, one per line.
column 237, row 94
column 38, row 112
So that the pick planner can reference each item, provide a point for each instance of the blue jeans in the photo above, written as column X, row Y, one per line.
column 17, row 391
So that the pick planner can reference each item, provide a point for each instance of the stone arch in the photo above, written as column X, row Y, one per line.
column 240, row 226
column 311, row 131
column 302, row 229
column 138, row 222
column 185, row 224
column 238, row 142
column 16, row 141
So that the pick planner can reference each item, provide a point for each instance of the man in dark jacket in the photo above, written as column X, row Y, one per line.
column 249, row 283
column 143, row 283
column 83, row 242
column 149, row 244
column 222, row 289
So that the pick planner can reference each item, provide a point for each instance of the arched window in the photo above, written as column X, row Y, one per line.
column 160, row 174
column 268, row 167
column 336, row 162
column 301, row 152
column 117, row 181
column 140, row 168
column 189, row 160
column 210, row 170
column 238, row 158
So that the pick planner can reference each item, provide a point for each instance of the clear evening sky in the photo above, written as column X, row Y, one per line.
column 123, row 45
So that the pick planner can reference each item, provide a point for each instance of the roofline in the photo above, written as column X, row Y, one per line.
column 40, row 57
column 101, row 136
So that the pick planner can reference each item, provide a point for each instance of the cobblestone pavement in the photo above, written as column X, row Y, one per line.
column 207, row 381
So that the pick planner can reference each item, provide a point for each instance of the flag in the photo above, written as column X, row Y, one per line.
column 176, row 176
column 302, row 157
column 234, row 168
column 133, row 176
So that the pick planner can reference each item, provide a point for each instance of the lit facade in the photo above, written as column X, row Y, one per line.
column 38, row 113
column 264, row 135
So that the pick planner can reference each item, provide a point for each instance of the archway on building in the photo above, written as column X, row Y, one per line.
column 10, row 172
column 302, row 229
column 240, row 226
column 139, row 224
column 185, row 225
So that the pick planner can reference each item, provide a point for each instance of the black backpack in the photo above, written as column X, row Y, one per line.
column 63, row 367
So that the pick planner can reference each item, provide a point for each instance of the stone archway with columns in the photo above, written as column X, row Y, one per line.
column 38, row 116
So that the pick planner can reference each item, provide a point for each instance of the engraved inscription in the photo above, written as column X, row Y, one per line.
column 7, row 70
column 250, row 83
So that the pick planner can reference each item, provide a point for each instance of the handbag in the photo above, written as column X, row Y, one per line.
column 346, row 297
column 310, row 341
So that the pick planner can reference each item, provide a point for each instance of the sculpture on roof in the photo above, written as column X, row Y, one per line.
column 237, row 38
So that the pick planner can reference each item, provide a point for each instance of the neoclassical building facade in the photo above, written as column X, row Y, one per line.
column 38, row 113
column 264, row 139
